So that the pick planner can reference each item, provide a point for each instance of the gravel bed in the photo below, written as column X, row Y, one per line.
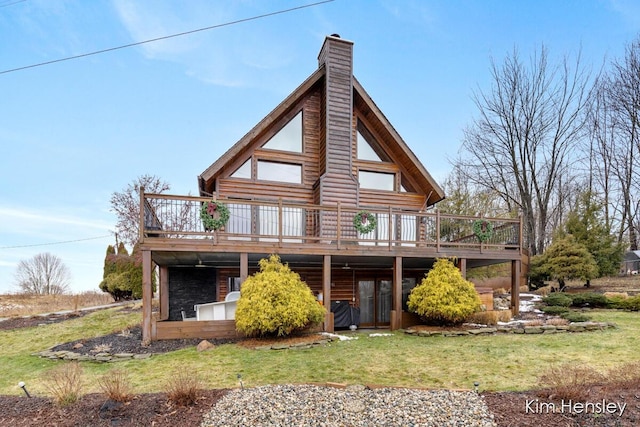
column 309, row 405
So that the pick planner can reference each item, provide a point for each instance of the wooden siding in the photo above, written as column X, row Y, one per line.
column 207, row 329
column 372, row 198
column 337, row 184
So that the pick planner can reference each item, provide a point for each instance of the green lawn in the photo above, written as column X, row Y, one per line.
column 500, row 362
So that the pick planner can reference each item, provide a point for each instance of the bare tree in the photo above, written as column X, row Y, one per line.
column 126, row 205
column 44, row 274
column 521, row 144
column 621, row 103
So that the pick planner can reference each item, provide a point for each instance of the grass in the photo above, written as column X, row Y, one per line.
column 27, row 305
column 500, row 362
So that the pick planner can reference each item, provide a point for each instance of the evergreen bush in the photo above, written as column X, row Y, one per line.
column 122, row 277
column 276, row 302
column 558, row 299
column 444, row 297
column 555, row 310
column 590, row 299
column 574, row 316
column 631, row 304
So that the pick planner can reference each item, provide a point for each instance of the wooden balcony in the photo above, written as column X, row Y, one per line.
column 173, row 223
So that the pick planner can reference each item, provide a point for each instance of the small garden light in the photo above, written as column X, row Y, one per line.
column 23, row 386
column 240, row 379
column 476, row 385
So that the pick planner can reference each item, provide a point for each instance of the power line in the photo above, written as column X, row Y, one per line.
column 239, row 21
column 56, row 243
column 9, row 2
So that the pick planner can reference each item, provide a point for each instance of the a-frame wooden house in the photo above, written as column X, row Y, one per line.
column 307, row 183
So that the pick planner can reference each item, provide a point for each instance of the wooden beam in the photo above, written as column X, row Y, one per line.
column 146, row 297
column 515, row 287
column 397, row 293
column 462, row 265
column 164, row 292
column 326, row 292
column 244, row 266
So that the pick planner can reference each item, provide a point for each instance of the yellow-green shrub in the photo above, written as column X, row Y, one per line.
column 275, row 301
column 444, row 296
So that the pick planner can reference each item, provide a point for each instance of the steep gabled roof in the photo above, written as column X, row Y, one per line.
column 402, row 152
column 239, row 147
column 363, row 103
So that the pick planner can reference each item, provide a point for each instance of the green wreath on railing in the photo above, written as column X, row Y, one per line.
column 214, row 215
column 365, row 222
column 482, row 229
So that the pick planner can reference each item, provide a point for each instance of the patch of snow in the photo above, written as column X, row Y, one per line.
column 340, row 337
column 527, row 302
column 380, row 335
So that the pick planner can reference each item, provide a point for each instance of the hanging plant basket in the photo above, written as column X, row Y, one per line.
column 482, row 229
column 214, row 215
column 364, row 222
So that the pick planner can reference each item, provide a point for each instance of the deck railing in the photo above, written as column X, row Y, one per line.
column 178, row 217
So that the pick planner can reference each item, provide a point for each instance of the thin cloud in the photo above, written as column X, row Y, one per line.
column 21, row 220
column 229, row 56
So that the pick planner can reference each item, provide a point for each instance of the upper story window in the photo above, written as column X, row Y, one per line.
column 377, row 180
column 289, row 138
column 243, row 171
column 276, row 171
column 365, row 151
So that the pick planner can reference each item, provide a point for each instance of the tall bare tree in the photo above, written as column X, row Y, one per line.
column 44, row 274
column 621, row 104
column 126, row 205
column 520, row 146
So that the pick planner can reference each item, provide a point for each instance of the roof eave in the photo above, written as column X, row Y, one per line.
column 438, row 192
column 212, row 171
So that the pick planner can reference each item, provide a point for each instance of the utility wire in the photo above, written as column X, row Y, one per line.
column 57, row 243
column 239, row 21
column 9, row 3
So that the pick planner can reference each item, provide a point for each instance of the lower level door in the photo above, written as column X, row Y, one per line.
column 375, row 302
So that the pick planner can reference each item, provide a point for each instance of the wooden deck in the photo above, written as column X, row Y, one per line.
column 277, row 226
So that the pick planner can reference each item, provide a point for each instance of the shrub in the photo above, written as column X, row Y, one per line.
column 570, row 381
column 574, row 316
column 115, row 384
column 444, row 296
column 621, row 295
column 490, row 317
column 544, row 291
column 558, row 299
column 589, row 299
column 65, row 383
column 555, row 310
column 631, row 304
column 276, row 302
column 557, row 322
column 627, row 375
column 183, row 388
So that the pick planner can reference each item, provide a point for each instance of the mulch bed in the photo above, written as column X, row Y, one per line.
column 151, row 409
column 154, row 409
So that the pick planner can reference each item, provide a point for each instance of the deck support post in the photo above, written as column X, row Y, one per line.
column 326, row 293
column 396, row 321
column 516, row 266
column 462, row 265
column 164, row 292
column 147, row 295
column 244, row 266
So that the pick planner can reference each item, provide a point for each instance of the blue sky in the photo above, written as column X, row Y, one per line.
column 73, row 132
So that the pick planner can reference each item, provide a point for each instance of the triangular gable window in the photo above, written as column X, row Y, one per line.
column 243, row 171
column 289, row 138
column 365, row 152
